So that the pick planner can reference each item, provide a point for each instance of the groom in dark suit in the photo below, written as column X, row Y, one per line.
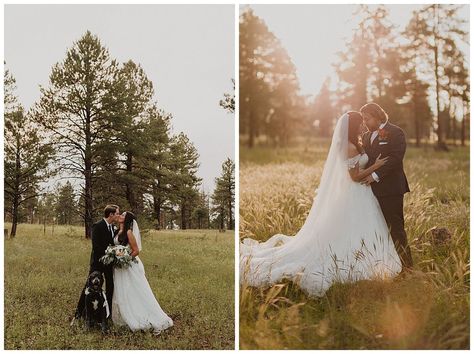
column 103, row 233
column 389, row 183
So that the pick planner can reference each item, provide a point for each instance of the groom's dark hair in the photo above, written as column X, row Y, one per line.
column 375, row 111
column 110, row 209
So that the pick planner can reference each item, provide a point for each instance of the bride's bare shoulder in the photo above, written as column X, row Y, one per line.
column 352, row 150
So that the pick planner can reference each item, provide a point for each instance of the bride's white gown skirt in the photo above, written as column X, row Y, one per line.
column 133, row 301
column 344, row 242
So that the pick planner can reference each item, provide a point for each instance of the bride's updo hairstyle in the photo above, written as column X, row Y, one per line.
column 355, row 120
column 127, row 225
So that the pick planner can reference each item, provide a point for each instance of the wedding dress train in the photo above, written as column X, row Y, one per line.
column 344, row 238
column 133, row 301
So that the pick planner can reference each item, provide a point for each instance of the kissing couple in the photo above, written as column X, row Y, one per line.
column 355, row 228
column 128, row 298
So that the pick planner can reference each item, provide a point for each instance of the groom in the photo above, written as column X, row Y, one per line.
column 103, row 233
column 389, row 182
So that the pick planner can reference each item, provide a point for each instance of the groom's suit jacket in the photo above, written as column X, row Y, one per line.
column 101, row 239
column 392, row 177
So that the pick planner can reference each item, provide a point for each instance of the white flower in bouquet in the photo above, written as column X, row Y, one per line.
column 119, row 256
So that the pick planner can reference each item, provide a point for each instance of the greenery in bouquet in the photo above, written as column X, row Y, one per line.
column 118, row 256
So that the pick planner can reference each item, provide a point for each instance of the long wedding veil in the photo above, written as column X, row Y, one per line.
column 136, row 233
column 284, row 256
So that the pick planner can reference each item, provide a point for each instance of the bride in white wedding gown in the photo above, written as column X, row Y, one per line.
column 344, row 238
column 133, row 302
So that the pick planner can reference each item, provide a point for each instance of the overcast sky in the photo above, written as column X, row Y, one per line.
column 313, row 34
column 186, row 50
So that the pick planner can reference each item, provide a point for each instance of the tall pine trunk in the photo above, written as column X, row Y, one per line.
column 183, row 216
column 222, row 219
column 88, row 207
column 16, row 191
column 417, row 120
column 252, row 132
column 453, row 129
column 14, row 217
column 229, row 207
column 463, row 125
column 439, row 131
column 128, row 185
column 88, row 199
column 157, row 211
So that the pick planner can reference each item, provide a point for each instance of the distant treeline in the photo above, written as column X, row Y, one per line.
column 97, row 122
column 400, row 69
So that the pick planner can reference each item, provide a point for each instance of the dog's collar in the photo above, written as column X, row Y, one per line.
column 91, row 289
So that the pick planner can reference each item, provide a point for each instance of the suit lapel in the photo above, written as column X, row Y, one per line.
column 111, row 238
column 376, row 141
column 107, row 232
column 367, row 141
column 371, row 147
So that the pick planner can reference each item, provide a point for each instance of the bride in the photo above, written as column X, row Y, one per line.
column 344, row 238
column 133, row 302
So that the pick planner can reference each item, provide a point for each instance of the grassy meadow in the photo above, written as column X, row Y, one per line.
column 427, row 310
column 190, row 272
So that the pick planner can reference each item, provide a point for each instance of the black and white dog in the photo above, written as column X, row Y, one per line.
column 97, row 308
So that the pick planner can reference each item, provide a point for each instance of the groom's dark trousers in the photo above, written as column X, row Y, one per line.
column 392, row 184
column 101, row 239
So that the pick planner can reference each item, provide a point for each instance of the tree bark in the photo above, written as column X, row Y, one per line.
column 222, row 218
column 16, row 192
column 229, row 206
column 251, row 141
column 157, row 210
column 463, row 126
column 439, row 132
column 14, row 217
column 183, row 217
column 128, row 186
column 88, row 207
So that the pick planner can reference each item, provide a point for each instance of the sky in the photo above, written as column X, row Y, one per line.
column 187, row 51
column 313, row 34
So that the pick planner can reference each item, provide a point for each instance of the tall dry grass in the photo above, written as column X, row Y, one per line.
column 429, row 310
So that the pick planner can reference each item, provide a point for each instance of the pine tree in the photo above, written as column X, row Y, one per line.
column 456, row 82
column 157, row 164
column 26, row 155
column 201, row 211
column 224, row 195
column 81, row 108
column 255, row 43
column 269, row 99
column 184, row 164
column 132, row 132
column 421, row 111
column 46, row 211
column 434, row 32
column 353, row 69
column 323, row 111
column 228, row 102
column 66, row 207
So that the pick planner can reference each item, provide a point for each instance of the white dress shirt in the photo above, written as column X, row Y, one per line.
column 372, row 138
column 108, row 228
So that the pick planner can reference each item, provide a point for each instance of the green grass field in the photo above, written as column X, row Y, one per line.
column 429, row 310
column 191, row 274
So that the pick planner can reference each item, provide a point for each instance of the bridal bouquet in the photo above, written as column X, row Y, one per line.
column 119, row 256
